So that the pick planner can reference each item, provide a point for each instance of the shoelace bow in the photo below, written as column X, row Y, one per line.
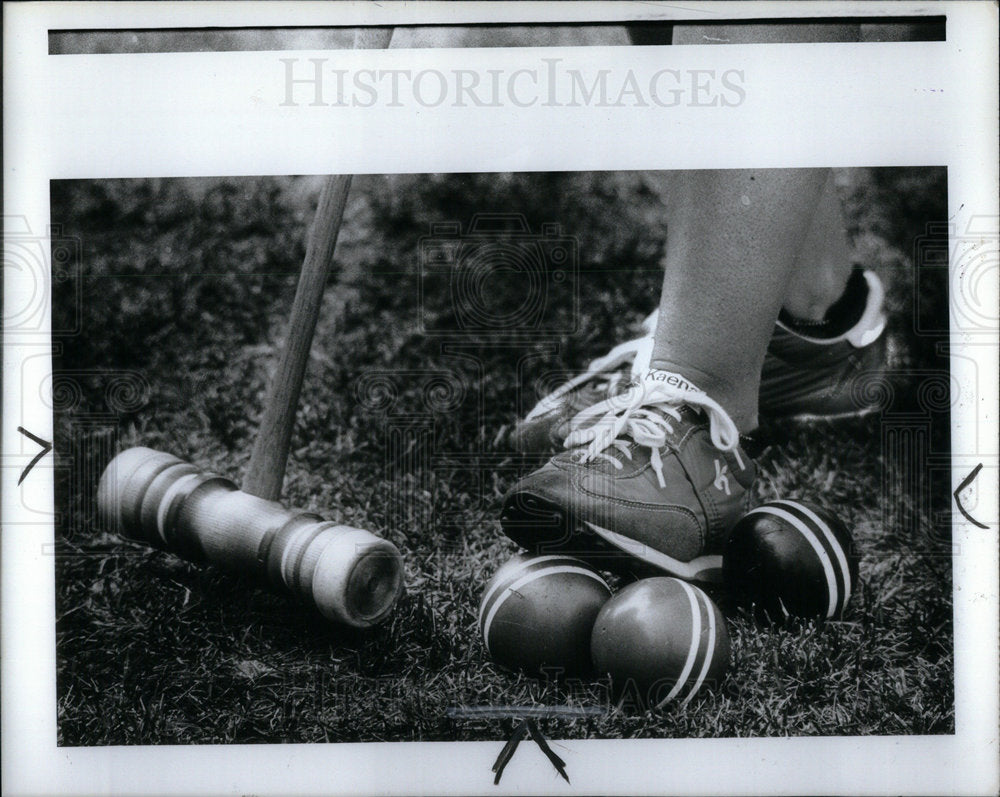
column 642, row 415
column 637, row 351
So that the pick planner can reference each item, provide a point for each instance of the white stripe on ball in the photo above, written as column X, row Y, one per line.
column 532, row 576
column 499, row 584
column 831, row 578
column 692, row 648
column 845, row 570
column 709, row 650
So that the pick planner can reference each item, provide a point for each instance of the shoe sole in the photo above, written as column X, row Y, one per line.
column 542, row 527
column 706, row 569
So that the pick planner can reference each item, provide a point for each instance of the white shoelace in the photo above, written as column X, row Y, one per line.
column 642, row 414
column 638, row 351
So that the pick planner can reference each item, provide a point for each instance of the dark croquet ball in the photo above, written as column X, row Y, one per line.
column 660, row 639
column 791, row 559
column 538, row 611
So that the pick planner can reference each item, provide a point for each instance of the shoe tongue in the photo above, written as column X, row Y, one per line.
column 670, row 379
column 683, row 386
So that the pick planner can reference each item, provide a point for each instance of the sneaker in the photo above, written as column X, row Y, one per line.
column 550, row 421
column 805, row 377
column 809, row 377
column 653, row 481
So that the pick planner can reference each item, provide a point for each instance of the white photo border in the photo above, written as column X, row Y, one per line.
column 167, row 114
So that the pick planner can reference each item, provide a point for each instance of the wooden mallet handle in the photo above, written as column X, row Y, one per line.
column 266, row 472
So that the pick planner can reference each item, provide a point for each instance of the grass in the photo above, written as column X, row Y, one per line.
column 184, row 286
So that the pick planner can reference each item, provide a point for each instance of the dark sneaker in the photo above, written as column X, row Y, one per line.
column 804, row 377
column 653, row 481
column 815, row 378
column 545, row 428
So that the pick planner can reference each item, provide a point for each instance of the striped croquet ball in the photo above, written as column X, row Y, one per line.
column 791, row 559
column 660, row 639
column 538, row 611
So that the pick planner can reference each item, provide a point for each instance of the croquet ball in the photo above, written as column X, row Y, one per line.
column 791, row 559
column 537, row 613
column 660, row 639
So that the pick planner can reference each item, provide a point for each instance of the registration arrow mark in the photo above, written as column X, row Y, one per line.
column 46, row 448
column 958, row 500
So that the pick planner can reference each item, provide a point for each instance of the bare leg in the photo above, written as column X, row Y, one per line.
column 823, row 262
column 731, row 250
column 735, row 241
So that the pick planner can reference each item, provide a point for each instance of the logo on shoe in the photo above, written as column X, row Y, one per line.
column 671, row 379
column 721, row 477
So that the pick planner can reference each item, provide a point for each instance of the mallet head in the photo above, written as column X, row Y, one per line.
column 349, row 574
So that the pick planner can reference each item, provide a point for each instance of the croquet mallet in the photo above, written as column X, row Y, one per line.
column 350, row 575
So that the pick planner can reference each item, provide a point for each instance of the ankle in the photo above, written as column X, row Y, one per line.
column 839, row 317
column 739, row 400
